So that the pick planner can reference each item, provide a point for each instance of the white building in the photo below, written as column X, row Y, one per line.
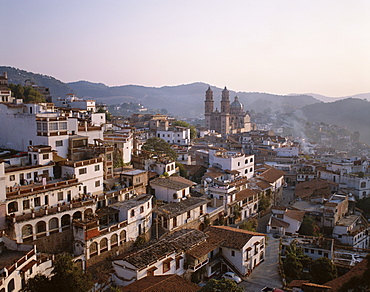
column 353, row 230
column 228, row 160
column 171, row 189
column 164, row 257
column 88, row 172
column 176, row 135
column 18, row 263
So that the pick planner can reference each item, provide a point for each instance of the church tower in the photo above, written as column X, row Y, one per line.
column 209, row 104
column 225, row 101
column 225, row 112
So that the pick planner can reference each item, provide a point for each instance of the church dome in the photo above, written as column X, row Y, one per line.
column 236, row 106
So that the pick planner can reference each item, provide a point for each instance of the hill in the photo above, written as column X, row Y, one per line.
column 187, row 100
column 18, row 76
column 352, row 113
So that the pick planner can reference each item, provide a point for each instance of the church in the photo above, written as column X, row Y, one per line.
column 231, row 119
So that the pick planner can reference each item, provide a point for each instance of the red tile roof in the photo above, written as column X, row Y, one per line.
column 244, row 194
column 161, row 283
column 357, row 271
column 233, row 237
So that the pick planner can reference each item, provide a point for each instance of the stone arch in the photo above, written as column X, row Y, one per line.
column 103, row 245
column 66, row 220
column 77, row 215
column 114, row 240
column 88, row 212
column 27, row 232
column 54, row 224
column 40, row 227
column 93, row 249
column 122, row 236
column 11, row 285
column 12, row 207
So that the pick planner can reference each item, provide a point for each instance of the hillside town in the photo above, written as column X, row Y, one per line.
column 149, row 203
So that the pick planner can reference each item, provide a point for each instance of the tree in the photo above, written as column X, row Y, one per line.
column 193, row 132
column 264, row 203
column 182, row 169
column 159, row 147
column 323, row 270
column 224, row 285
column 27, row 93
column 309, row 227
column 293, row 266
column 66, row 276
column 251, row 225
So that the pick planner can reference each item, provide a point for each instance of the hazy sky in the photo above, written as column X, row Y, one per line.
column 273, row 46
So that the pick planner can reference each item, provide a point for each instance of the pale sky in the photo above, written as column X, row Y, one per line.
column 274, row 46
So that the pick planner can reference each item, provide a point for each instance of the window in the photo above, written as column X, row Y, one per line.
column 82, row 170
column 251, row 160
column 63, row 126
column 320, row 252
column 29, row 175
column 97, row 167
column 97, row 183
column 132, row 213
column 26, row 204
column 141, row 209
column 53, row 126
column 178, row 263
column 60, row 196
column 246, row 171
column 251, row 170
column 12, row 177
column 363, row 184
column 30, row 142
column 166, row 265
column 45, row 156
column 59, row 143
column 188, row 215
column 37, row 202
column 233, row 253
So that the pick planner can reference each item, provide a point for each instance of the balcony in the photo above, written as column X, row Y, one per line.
column 198, row 266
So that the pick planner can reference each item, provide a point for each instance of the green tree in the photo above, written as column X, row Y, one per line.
column 364, row 205
column 264, row 203
column 193, row 131
column 27, row 93
column 66, row 277
column 323, row 270
column 182, row 169
column 224, row 285
column 308, row 227
column 251, row 225
column 159, row 147
column 39, row 283
column 293, row 266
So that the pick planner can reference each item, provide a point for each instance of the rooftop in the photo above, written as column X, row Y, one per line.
column 133, row 202
column 174, row 209
column 181, row 240
column 161, row 283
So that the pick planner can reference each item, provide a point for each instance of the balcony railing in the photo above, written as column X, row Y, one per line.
column 192, row 268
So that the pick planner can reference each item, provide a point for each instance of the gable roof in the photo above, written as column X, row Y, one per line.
column 276, row 222
column 244, row 194
column 177, row 208
column 161, row 283
column 272, row 175
column 232, row 237
column 295, row 214
column 180, row 240
column 170, row 183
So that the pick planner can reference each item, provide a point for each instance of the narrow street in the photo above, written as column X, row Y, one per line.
column 266, row 274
